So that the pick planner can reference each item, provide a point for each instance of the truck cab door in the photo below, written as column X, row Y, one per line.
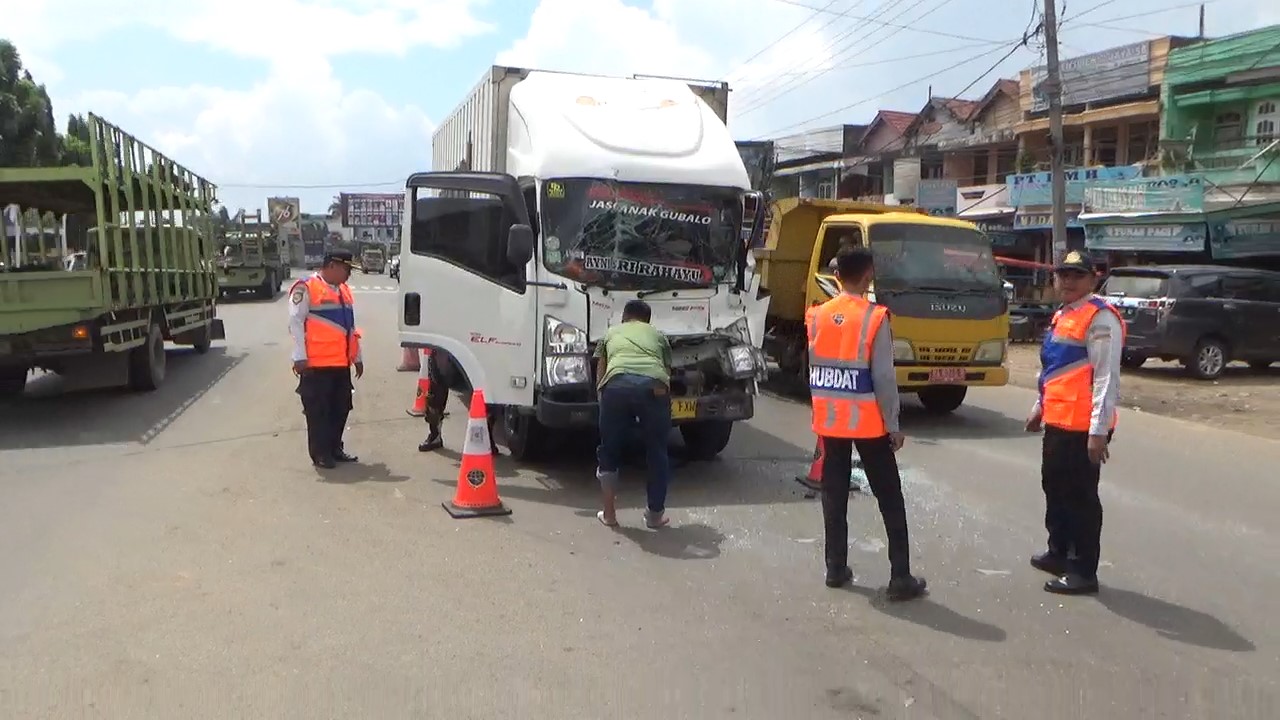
column 464, row 288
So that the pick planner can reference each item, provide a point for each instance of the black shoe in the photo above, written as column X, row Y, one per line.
column 326, row 463
column 342, row 457
column 906, row 588
column 1055, row 565
column 839, row 577
column 494, row 450
column 1072, row 584
column 433, row 442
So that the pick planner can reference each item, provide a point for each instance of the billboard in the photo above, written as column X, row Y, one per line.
column 372, row 209
column 284, row 211
column 1119, row 72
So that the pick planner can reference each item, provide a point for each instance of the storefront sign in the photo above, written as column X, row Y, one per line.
column 1037, row 188
column 1146, row 238
column 1245, row 237
column 1042, row 219
column 1115, row 73
column 1172, row 194
column 937, row 197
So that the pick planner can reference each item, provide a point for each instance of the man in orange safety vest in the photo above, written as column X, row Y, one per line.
column 854, row 392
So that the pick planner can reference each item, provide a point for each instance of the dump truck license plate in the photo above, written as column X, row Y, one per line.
column 946, row 375
column 682, row 409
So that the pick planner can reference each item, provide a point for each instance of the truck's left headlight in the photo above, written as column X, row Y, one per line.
column 990, row 351
column 564, row 354
column 740, row 361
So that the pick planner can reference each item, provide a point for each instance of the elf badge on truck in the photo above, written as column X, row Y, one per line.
column 555, row 199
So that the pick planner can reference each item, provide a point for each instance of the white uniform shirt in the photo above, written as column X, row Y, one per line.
column 299, row 307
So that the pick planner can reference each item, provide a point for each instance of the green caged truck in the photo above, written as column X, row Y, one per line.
column 253, row 258
column 136, row 268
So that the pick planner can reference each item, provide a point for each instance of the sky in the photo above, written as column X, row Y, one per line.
column 309, row 98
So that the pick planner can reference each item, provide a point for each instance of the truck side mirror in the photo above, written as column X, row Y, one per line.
column 520, row 245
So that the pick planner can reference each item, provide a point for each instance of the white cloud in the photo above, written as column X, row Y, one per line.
column 299, row 125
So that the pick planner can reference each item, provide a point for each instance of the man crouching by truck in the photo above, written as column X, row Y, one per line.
column 855, row 404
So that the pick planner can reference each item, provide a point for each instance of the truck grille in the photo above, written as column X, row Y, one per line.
column 948, row 354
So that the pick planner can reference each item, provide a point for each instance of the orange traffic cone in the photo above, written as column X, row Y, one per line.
column 477, row 493
column 419, row 408
column 813, row 480
column 410, row 361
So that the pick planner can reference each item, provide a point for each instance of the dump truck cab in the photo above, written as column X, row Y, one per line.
column 937, row 276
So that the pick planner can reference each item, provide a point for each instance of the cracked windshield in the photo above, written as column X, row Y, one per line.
column 629, row 236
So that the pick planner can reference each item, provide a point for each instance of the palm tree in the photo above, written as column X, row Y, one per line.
column 335, row 206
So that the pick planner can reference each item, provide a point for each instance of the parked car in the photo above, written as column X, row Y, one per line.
column 1202, row 315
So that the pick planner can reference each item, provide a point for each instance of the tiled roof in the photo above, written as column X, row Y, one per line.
column 895, row 119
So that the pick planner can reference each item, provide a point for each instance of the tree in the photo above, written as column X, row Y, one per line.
column 76, row 149
column 28, row 133
column 335, row 206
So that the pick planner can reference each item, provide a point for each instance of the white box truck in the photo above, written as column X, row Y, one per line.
column 554, row 199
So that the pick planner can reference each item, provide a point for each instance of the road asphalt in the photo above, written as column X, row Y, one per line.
column 175, row 555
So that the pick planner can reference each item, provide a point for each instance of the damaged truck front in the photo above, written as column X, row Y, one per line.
column 556, row 199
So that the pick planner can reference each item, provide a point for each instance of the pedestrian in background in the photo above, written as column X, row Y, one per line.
column 854, row 391
column 634, row 370
column 326, row 345
column 1076, row 408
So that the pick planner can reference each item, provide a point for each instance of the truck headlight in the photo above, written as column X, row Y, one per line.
column 564, row 353
column 990, row 351
column 739, row 362
column 902, row 351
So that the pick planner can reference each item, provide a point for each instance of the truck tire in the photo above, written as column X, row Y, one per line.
column 13, row 381
column 204, row 339
column 943, row 399
column 707, row 439
column 268, row 288
column 526, row 437
column 147, row 362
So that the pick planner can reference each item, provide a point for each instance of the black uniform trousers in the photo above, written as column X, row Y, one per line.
column 881, row 466
column 1073, row 509
column 437, row 394
column 326, row 403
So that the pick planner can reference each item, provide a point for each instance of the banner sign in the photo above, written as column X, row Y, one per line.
column 1188, row 237
column 1115, row 73
column 1245, row 237
column 372, row 209
column 1037, row 188
column 1169, row 194
column 936, row 197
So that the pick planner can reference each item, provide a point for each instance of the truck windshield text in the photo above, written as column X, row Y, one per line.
column 630, row 236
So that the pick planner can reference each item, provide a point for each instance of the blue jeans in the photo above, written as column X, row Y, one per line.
column 625, row 402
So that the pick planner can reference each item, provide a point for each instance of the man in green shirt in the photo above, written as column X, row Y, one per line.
column 634, row 367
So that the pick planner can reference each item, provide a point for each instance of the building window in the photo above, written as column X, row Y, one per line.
column 980, row 167
column 1265, row 120
column 826, row 190
column 1228, row 130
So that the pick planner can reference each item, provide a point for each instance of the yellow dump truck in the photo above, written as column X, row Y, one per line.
column 937, row 276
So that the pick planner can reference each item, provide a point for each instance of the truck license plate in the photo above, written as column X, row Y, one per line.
column 947, row 375
column 684, row 409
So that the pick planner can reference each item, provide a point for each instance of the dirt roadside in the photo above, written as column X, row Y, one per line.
column 1242, row 399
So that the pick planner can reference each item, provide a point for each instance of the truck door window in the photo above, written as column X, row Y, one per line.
column 835, row 239
column 468, row 232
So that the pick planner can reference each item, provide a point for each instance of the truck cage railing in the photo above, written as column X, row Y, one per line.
column 145, row 220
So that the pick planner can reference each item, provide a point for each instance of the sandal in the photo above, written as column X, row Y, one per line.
column 654, row 522
column 606, row 523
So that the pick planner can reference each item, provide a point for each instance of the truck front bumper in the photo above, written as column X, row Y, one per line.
column 732, row 406
column 914, row 377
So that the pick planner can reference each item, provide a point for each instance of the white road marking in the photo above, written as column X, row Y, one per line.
column 376, row 289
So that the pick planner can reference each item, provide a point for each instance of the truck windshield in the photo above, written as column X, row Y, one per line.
column 633, row 236
column 911, row 256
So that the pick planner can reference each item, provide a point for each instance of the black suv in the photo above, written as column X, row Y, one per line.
column 1204, row 315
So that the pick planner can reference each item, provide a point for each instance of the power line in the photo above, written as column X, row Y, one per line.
column 327, row 186
column 795, row 86
column 926, row 31
column 782, row 37
column 764, row 87
column 888, row 61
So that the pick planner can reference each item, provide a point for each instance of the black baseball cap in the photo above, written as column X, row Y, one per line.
column 1075, row 261
column 340, row 256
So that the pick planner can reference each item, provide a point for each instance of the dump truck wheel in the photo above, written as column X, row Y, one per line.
column 943, row 399
column 13, row 381
column 204, row 339
column 147, row 362
column 707, row 439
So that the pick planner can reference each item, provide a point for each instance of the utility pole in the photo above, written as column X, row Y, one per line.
column 1201, row 35
column 1052, row 87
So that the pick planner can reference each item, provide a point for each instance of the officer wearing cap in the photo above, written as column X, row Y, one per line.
column 1076, row 408
column 326, row 344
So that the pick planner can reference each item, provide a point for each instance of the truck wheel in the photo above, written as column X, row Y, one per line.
column 707, row 439
column 943, row 399
column 1132, row 362
column 147, row 362
column 13, row 381
column 526, row 437
column 204, row 339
